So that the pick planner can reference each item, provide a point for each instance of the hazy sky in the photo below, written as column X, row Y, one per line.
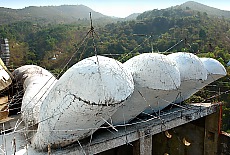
column 118, row 8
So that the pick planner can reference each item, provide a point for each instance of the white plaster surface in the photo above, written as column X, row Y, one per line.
column 214, row 68
column 192, row 73
column 21, row 73
column 84, row 97
column 105, row 140
column 37, row 82
column 189, row 65
column 155, row 76
column 99, row 88
column 154, row 71
column 36, row 89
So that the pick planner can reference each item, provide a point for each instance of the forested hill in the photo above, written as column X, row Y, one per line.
column 48, row 14
column 204, row 8
column 52, row 46
column 187, row 9
column 79, row 13
column 202, row 32
column 132, row 16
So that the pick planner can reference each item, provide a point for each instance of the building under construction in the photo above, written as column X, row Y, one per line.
column 100, row 106
column 193, row 129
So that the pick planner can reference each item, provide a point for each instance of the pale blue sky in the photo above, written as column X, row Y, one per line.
column 118, row 8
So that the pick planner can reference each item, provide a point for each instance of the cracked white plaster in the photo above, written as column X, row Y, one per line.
column 155, row 77
column 85, row 95
column 37, row 82
column 192, row 73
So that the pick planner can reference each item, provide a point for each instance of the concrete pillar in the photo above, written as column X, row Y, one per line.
column 224, row 144
column 212, row 123
column 143, row 146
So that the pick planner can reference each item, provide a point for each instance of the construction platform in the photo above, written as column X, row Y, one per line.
column 135, row 138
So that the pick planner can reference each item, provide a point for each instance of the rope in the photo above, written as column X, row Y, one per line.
column 156, row 116
column 173, row 46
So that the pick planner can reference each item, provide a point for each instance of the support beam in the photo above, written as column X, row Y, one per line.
column 211, row 133
column 137, row 135
column 143, row 146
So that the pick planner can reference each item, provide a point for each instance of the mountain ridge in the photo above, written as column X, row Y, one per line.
column 49, row 14
column 204, row 8
column 80, row 13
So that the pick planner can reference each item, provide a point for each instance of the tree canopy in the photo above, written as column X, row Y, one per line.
column 170, row 30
